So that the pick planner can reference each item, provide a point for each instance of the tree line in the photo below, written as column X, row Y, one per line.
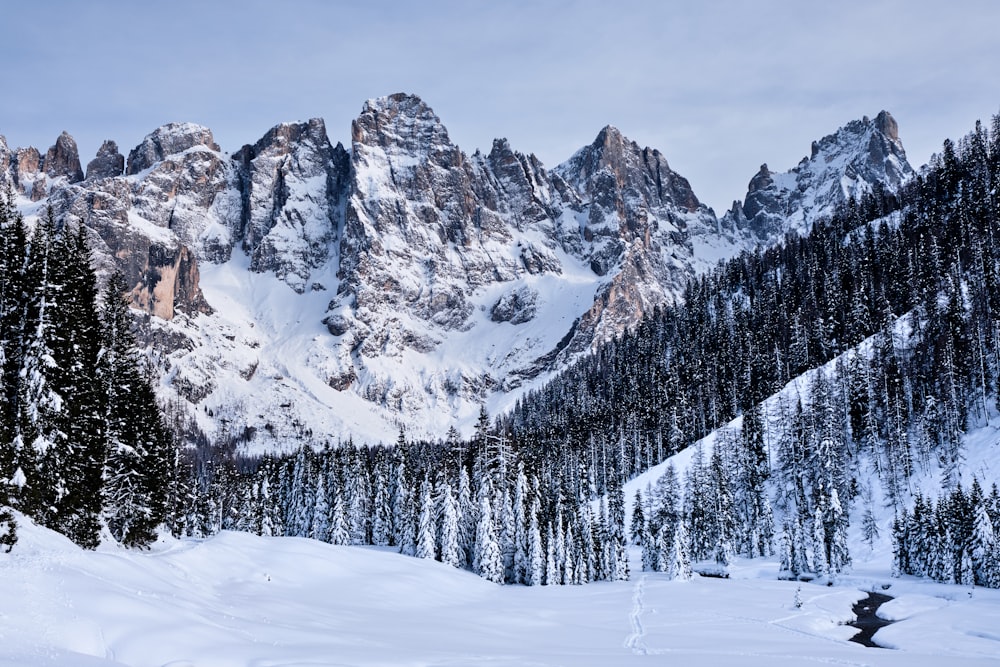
column 473, row 505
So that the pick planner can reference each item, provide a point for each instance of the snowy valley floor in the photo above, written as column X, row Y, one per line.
column 241, row 600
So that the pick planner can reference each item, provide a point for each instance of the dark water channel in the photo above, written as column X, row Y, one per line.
column 867, row 622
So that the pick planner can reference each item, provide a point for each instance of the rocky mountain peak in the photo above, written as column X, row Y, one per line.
column 887, row 125
column 423, row 282
column 63, row 160
column 401, row 123
column 282, row 137
column 108, row 163
column 642, row 219
column 644, row 170
column 847, row 163
column 167, row 140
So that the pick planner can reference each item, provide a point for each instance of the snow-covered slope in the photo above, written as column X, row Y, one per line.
column 237, row 599
column 300, row 289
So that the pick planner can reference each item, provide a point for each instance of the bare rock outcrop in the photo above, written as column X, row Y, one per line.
column 293, row 183
column 62, row 160
column 168, row 140
column 108, row 163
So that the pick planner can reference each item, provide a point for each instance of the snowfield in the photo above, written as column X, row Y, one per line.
column 240, row 600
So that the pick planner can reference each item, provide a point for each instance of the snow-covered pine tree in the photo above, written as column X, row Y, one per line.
column 359, row 499
column 298, row 508
column 585, row 536
column 76, row 351
column 340, row 529
column 320, row 526
column 678, row 561
column 535, row 569
column 521, row 536
column 8, row 527
column 467, row 518
column 722, row 523
column 13, row 251
column 618, row 554
column 551, row 568
column 507, row 533
column 982, row 546
column 37, row 401
column 450, row 550
column 426, row 528
column 140, row 450
column 488, row 560
column 382, row 501
column 651, row 549
column 638, row 525
column 403, row 515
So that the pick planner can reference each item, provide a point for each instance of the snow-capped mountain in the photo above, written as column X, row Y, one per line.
column 847, row 163
column 298, row 288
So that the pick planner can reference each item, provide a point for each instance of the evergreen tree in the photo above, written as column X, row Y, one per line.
column 677, row 561
column 551, row 568
column 13, row 252
column 425, row 526
column 8, row 529
column 450, row 549
column 521, row 528
column 982, row 547
column 616, row 541
column 382, row 504
column 140, row 450
column 488, row 560
column 535, row 569
column 321, row 515
column 467, row 518
column 340, row 530
column 638, row 527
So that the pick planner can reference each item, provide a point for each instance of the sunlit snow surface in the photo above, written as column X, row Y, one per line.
column 240, row 600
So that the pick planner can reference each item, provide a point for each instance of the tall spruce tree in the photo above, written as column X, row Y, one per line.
column 140, row 449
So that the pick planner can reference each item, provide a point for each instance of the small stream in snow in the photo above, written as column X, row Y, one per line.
column 867, row 621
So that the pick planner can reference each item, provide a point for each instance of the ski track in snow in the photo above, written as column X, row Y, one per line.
column 636, row 641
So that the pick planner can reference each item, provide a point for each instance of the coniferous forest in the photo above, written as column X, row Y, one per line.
column 83, row 445
column 888, row 312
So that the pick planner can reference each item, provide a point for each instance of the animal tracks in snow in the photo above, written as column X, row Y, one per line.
column 636, row 640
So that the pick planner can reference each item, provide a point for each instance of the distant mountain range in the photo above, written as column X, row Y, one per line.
column 296, row 288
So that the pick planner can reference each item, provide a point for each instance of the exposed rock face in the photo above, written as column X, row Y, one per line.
column 108, row 163
column 187, row 188
column 163, row 273
column 25, row 166
column 152, row 228
column 421, row 226
column 292, row 183
column 640, row 217
column 171, row 139
column 517, row 307
column 845, row 164
column 63, row 160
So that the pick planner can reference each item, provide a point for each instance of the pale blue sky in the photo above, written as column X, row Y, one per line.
column 718, row 86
